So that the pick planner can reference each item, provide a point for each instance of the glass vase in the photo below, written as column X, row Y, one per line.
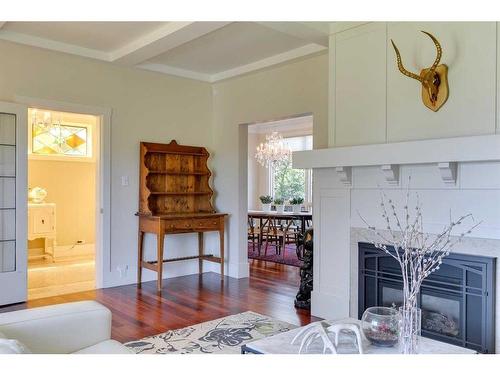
column 381, row 325
column 409, row 329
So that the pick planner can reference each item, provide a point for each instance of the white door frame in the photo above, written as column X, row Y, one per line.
column 13, row 285
column 103, row 175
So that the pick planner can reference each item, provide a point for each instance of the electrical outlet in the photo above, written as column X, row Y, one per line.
column 122, row 270
column 124, row 181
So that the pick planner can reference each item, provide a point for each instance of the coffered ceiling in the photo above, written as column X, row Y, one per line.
column 206, row 51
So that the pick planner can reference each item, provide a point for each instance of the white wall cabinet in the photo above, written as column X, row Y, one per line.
column 360, row 85
column 42, row 224
column 372, row 102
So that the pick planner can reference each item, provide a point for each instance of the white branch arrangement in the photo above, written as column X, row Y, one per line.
column 418, row 254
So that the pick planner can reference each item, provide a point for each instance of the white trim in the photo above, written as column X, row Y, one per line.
column 308, row 49
column 17, row 280
column 391, row 173
column 103, row 171
column 53, row 45
column 338, row 27
column 243, row 69
column 161, row 40
column 139, row 51
column 299, row 30
column 167, row 69
column 293, row 125
column 345, row 175
column 459, row 149
column 448, row 172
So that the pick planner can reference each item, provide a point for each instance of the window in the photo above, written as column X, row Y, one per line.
column 60, row 139
column 286, row 182
column 61, row 135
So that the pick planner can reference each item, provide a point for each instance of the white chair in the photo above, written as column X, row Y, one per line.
column 78, row 327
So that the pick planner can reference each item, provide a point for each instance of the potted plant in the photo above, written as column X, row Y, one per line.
column 266, row 201
column 280, row 205
column 296, row 204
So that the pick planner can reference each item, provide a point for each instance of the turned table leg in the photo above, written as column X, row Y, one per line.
column 139, row 258
column 159, row 268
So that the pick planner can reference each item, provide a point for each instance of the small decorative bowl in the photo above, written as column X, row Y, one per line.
column 380, row 325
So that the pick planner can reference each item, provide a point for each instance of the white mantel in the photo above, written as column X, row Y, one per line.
column 457, row 149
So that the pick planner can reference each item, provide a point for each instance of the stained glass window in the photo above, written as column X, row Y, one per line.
column 60, row 139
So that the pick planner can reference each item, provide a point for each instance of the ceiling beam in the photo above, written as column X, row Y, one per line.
column 52, row 45
column 165, row 38
column 299, row 30
column 269, row 61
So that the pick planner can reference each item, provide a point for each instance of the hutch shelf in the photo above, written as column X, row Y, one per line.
column 175, row 197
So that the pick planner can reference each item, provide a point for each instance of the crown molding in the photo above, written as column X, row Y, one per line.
column 299, row 30
column 171, row 70
column 171, row 35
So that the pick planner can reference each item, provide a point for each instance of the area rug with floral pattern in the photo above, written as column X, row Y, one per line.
column 221, row 336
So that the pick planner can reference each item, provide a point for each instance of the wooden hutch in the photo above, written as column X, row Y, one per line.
column 175, row 197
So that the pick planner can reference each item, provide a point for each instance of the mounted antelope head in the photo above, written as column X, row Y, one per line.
column 434, row 79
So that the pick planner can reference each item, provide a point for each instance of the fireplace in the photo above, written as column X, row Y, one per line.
column 457, row 301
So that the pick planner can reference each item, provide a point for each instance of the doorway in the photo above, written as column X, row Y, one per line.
column 63, row 158
column 279, row 196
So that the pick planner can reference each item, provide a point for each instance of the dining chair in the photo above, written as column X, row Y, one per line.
column 254, row 234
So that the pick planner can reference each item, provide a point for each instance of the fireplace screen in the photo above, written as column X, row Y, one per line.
column 439, row 314
column 456, row 301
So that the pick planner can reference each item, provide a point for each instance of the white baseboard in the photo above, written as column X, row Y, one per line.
column 239, row 270
column 63, row 251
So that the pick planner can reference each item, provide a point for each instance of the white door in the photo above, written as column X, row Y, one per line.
column 13, row 203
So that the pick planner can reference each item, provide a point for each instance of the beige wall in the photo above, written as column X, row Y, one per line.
column 71, row 186
column 145, row 106
column 372, row 102
column 149, row 106
column 295, row 88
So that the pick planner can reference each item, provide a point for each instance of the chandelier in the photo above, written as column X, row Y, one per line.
column 43, row 122
column 274, row 151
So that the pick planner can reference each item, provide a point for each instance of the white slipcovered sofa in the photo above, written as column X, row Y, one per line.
column 78, row 327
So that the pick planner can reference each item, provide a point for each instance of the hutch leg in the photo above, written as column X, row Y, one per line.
column 221, row 239
column 200, row 252
column 139, row 257
column 159, row 269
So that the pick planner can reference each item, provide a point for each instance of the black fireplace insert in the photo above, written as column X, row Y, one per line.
column 457, row 301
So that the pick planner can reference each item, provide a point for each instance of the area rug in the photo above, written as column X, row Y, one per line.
column 220, row 336
column 290, row 257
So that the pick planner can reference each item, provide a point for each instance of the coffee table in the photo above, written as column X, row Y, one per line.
column 281, row 344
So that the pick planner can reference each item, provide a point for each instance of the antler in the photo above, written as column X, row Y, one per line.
column 402, row 68
column 439, row 50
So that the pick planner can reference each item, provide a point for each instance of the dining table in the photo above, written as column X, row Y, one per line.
column 303, row 217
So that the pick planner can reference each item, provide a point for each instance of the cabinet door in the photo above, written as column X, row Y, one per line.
column 43, row 221
column 13, row 207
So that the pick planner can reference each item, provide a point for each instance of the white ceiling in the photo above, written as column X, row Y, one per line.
column 303, row 123
column 207, row 51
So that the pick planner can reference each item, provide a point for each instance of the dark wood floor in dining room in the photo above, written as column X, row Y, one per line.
column 187, row 300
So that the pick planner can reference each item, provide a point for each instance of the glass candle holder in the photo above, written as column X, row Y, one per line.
column 381, row 325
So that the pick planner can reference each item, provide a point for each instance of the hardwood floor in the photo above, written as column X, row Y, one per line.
column 187, row 300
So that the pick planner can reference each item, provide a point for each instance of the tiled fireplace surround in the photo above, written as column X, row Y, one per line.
column 338, row 205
